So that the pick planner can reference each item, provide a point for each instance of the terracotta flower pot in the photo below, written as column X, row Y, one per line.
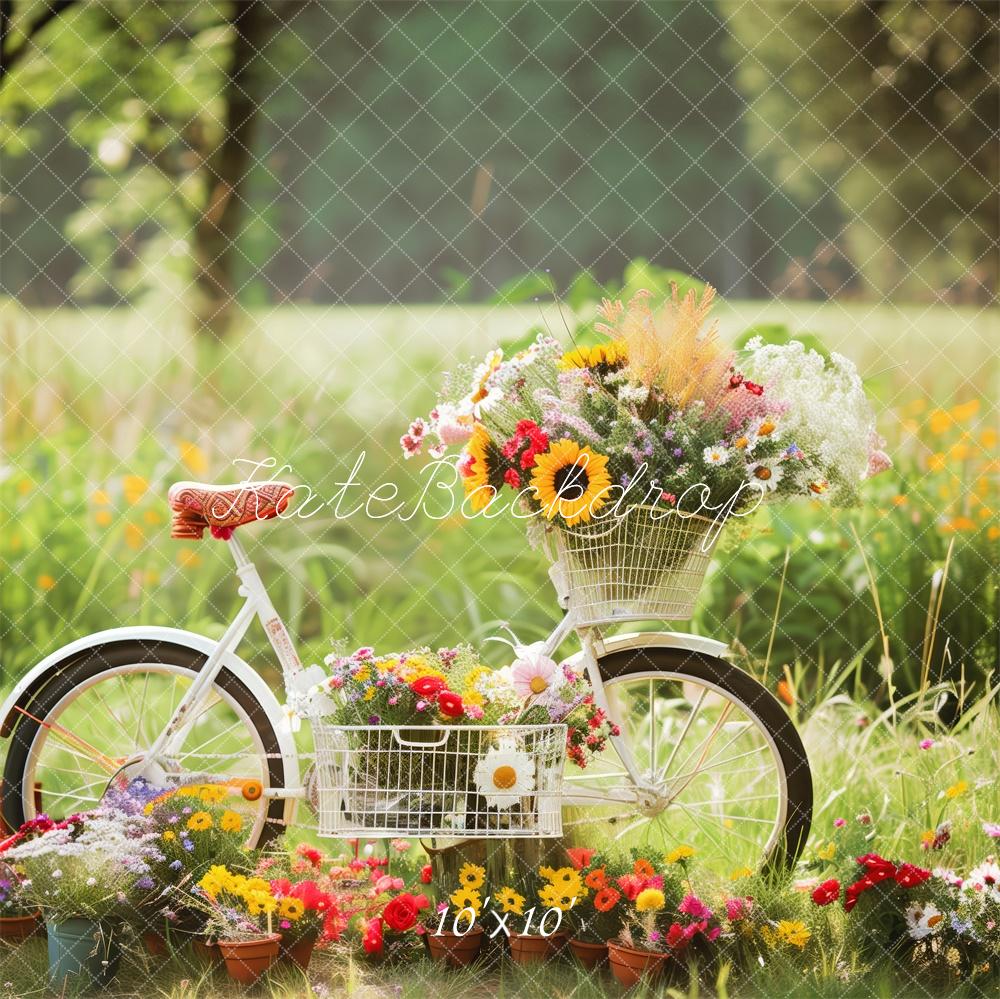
column 630, row 966
column 299, row 952
column 206, row 951
column 455, row 950
column 247, row 960
column 20, row 927
column 589, row 954
column 531, row 949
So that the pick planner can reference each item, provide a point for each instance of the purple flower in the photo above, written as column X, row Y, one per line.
column 373, row 719
column 839, row 823
column 422, row 705
column 926, row 743
column 992, row 829
column 654, row 936
column 187, row 844
column 145, row 883
column 677, row 452
column 176, row 865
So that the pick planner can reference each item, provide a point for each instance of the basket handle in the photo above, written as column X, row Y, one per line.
column 415, row 744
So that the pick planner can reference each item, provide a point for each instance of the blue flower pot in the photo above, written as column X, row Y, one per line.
column 82, row 950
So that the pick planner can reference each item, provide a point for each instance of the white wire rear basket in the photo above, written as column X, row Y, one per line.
column 646, row 564
column 446, row 780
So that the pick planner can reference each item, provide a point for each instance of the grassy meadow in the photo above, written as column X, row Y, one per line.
column 878, row 627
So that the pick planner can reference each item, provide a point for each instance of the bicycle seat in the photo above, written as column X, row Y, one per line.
column 197, row 505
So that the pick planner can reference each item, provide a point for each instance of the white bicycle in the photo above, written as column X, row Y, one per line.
column 706, row 757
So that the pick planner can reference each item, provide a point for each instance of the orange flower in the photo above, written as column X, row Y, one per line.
column 606, row 899
column 643, row 868
column 580, row 856
column 785, row 692
column 941, row 420
column 596, row 879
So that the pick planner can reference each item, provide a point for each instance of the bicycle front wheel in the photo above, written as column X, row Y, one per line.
column 722, row 768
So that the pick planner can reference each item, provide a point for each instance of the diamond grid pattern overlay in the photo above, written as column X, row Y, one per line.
column 313, row 387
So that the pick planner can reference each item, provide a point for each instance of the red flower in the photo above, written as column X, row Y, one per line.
column 426, row 873
column 631, row 885
column 512, row 478
column 853, row 893
column 400, row 914
column 878, row 868
column 334, row 924
column 311, row 896
column 606, row 899
column 580, row 856
column 372, row 941
column 827, row 892
column 427, row 686
column 450, row 704
column 280, row 887
column 754, row 388
column 909, row 876
column 675, row 936
column 735, row 380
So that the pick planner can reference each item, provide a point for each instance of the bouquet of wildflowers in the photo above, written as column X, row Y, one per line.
column 659, row 406
column 85, row 866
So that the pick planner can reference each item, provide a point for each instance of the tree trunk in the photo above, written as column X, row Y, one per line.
column 227, row 171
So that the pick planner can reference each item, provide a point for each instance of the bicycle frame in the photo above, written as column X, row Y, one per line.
column 257, row 604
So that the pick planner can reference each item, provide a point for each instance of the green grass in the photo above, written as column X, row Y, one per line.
column 90, row 398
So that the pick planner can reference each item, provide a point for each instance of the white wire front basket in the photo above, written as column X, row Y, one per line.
column 445, row 780
column 646, row 564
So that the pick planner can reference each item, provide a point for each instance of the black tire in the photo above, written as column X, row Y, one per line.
column 88, row 663
column 758, row 700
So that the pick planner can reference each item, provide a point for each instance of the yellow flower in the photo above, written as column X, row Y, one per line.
column 941, row 421
column 103, row 518
column 927, row 838
column 134, row 536
column 193, row 457
column 480, row 466
column 473, row 697
column 650, row 900
column 152, row 517
column 200, row 821
column 794, row 932
column 215, row 879
column 471, row 876
column 571, row 481
column 611, row 355
column 260, row 902
column 188, row 558
column 965, row 411
column 291, row 908
column 169, row 836
column 957, row 790
column 510, row 901
column 369, row 694
column 46, row 582
column 827, row 852
column 212, row 794
column 683, row 852
column 465, row 898
column 386, row 665
column 135, row 487
column 564, row 877
column 740, row 873
column 555, row 897
column 235, row 884
column 231, row 822
column 936, row 462
column 100, row 498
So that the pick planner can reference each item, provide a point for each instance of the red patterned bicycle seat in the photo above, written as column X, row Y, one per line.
column 197, row 505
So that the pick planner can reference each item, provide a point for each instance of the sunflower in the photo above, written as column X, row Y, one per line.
column 553, row 897
column 291, row 908
column 471, row 876
column 510, row 901
column 571, row 481
column 481, row 469
column 600, row 357
column 231, row 822
column 200, row 821
column 463, row 898
column 565, row 877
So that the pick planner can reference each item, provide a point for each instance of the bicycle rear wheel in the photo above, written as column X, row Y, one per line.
column 725, row 770
column 104, row 706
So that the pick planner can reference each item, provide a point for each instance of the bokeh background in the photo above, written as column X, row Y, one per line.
column 250, row 229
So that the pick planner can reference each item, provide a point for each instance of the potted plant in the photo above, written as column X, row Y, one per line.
column 18, row 919
column 597, row 916
column 79, row 873
column 662, row 918
column 457, row 935
column 301, row 912
column 240, row 914
column 544, row 932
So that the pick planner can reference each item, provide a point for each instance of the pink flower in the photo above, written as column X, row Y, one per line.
column 400, row 845
column 736, row 909
column 473, row 711
column 417, row 429
column 411, row 445
column 839, row 823
column 926, row 743
column 534, row 674
column 693, row 906
column 386, row 882
column 992, row 829
column 451, row 426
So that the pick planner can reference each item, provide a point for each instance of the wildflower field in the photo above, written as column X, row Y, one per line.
column 877, row 627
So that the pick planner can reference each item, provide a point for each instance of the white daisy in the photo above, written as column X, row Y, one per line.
column 922, row 920
column 984, row 880
column 764, row 426
column 717, row 455
column 766, row 474
column 485, row 392
column 503, row 776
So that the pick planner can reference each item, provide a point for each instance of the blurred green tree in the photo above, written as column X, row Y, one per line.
column 896, row 106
